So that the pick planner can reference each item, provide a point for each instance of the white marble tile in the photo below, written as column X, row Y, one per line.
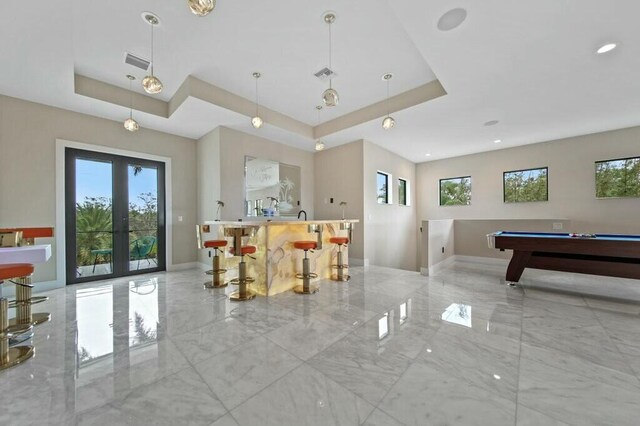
column 212, row 339
column 303, row 397
column 241, row 372
column 361, row 366
column 305, row 337
column 380, row 418
column 226, row 420
column 576, row 392
column 528, row 417
column 182, row 396
column 344, row 316
column 425, row 396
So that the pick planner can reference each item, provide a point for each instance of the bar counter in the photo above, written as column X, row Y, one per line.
column 277, row 261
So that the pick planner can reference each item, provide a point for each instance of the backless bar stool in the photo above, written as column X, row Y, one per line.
column 243, row 280
column 217, row 272
column 10, row 356
column 306, row 275
column 340, row 266
column 217, row 280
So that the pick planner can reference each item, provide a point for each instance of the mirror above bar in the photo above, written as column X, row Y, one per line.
column 272, row 189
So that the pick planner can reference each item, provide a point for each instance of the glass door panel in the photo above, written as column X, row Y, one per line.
column 143, row 217
column 94, row 218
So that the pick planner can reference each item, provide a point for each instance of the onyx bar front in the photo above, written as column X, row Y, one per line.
column 277, row 261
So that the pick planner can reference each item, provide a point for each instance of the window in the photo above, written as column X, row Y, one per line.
column 455, row 191
column 618, row 178
column 384, row 196
column 403, row 186
column 521, row 186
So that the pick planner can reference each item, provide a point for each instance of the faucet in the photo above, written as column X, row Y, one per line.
column 305, row 215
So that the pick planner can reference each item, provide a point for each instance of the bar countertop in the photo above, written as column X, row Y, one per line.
column 277, row 222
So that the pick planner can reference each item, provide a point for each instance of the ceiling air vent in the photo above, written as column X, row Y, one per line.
column 325, row 73
column 137, row 61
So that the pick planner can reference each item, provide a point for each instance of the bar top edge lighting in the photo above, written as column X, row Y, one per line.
column 267, row 222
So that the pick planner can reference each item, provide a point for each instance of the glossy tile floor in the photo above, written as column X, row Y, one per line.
column 388, row 348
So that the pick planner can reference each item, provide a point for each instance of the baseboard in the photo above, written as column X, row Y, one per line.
column 434, row 269
column 483, row 260
column 183, row 266
column 354, row 261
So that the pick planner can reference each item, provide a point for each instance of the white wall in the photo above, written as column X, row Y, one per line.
column 391, row 231
column 234, row 146
column 28, row 133
column 571, row 183
column 338, row 175
column 208, row 166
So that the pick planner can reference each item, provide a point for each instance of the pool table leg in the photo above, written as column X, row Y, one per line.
column 516, row 266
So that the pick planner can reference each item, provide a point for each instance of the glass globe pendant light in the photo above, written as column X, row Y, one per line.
column 330, row 97
column 388, row 121
column 257, row 121
column 201, row 7
column 130, row 124
column 152, row 84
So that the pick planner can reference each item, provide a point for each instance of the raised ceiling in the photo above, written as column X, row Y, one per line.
column 531, row 66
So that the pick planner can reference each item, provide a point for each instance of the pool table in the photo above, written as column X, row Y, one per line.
column 602, row 254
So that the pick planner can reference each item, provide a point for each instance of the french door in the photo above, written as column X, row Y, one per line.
column 115, row 215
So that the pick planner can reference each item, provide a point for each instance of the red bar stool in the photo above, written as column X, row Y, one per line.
column 217, row 272
column 243, row 280
column 340, row 266
column 306, row 275
column 10, row 356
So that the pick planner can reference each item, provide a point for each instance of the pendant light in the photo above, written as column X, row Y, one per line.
column 151, row 83
column 130, row 124
column 330, row 96
column 388, row 121
column 256, row 121
column 201, row 7
column 319, row 143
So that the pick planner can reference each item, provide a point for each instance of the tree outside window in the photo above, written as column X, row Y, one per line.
column 618, row 178
column 455, row 191
column 521, row 186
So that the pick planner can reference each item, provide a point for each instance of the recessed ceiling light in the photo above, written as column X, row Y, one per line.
column 606, row 48
column 497, row 141
column 491, row 123
column 427, row 155
column 452, row 19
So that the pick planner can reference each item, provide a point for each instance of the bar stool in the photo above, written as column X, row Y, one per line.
column 243, row 280
column 340, row 266
column 217, row 272
column 306, row 275
column 10, row 356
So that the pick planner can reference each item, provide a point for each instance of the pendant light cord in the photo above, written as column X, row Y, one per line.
column 256, row 96
column 388, row 109
column 130, row 100
column 330, row 69
column 152, row 61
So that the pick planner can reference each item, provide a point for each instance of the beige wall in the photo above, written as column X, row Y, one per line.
column 208, row 155
column 391, row 231
column 28, row 132
column 234, row 146
column 338, row 175
column 571, row 183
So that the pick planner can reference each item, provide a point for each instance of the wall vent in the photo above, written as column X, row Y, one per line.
column 325, row 73
column 137, row 61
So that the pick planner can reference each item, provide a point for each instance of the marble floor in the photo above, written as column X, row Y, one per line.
column 389, row 348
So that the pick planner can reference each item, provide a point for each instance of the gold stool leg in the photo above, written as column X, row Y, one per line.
column 24, row 300
column 217, row 273
column 11, row 356
column 243, row 292
column 306, row 287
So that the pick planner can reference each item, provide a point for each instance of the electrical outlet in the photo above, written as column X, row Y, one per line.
column 179, row 218
column 557, row 226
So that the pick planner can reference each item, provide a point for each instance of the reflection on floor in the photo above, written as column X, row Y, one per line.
column 388, row 348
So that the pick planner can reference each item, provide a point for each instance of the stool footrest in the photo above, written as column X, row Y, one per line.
column 15, row 330
column 303, row 276
column 215, row 271
column 311, row 289
column 335, row 277
column 340, row 266
column 237, row 297
column 32, row 301
column 37, row 318
column 238, row 281
column 210, row 284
